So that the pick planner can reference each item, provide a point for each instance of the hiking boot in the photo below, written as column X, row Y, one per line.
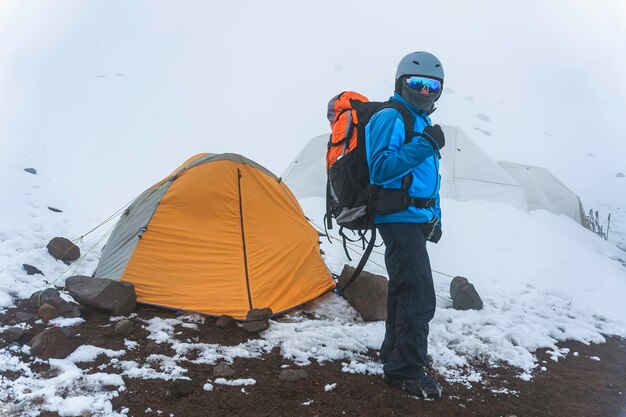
column 423, row 386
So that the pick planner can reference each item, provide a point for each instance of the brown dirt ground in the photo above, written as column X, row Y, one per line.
column 573, row 386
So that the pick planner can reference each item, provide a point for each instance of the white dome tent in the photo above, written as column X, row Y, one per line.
column 544, row 191
column 468, row 173
column 306, row 174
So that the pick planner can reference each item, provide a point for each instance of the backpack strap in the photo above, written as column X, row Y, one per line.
column 361, row 264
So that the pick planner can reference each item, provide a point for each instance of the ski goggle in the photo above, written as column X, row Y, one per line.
column 423, row 85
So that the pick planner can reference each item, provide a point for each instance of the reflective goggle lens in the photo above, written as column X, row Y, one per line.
column 424, row 85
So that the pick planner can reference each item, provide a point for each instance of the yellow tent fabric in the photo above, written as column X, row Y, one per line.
column 226, row 237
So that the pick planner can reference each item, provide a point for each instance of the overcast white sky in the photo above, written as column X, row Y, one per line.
column 254, row 78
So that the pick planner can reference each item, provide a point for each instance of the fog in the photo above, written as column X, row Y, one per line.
column 107, row 97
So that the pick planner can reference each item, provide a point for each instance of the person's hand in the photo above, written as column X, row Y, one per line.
column 436, row 234
column 434, row 134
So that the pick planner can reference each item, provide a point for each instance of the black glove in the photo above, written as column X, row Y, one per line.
column 436, row 234
column 435, row 136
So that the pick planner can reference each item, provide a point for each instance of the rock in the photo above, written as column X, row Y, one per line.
column 153, row 348
column 22, row 316
column 50, row 296
column 56, row 210
column 367, row 294
column 292, row 375
column 31, row 270
column 222, row 370
column 47, row 312
column 63, row 249
column 257, row 320
column 117, row 298
column 464, row 295
column 11, row 334
column 124, row 328
column 72, row 313
column 181, row 388
column 69, row 332
column 31, row 171
column 620, row 175
column 610, row 386
column 255, row 326
column 225, row 321
column 259, row 314
column 51, row 343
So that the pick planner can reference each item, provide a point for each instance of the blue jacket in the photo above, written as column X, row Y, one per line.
column 390, row 160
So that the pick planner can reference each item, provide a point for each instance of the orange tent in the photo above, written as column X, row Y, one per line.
column 220, row 235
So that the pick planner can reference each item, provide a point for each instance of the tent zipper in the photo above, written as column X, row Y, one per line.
column 243, row 238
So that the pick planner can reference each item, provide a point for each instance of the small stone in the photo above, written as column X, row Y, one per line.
column 11, row 334
column 56, row 210
column 50, row 296
column 51, row 343
column 255, row 326
column 124, row 328
column 22, row 316
column 63, row 249
column 222, row 370
column 153, row 348
column 31, row 270
column 257, row 320
column 31, row 171
column 259, row 314
column 181, row 388
column 292, row 375
column 47, row 312
column 225, row 321
column 610, row 386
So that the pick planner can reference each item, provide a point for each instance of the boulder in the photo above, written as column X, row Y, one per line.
column 69, row 332
column 51, row 343
column 11, row 334
column 181, row 388
column 292, row 375
column 47, row 312
column 117, row 298
column 50, row 296
column 222, row 370
column 72, row 313
column 257, row 320
column 31, row 171
column 31, row 270
column 464, row 295
column 22, row 316
column 620, row 175
column 63, row 249
column 56, row 210
column 367, row 294
column 124, row 328
column 225, row 321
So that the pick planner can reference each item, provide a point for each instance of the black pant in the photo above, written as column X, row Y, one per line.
column 410, row 301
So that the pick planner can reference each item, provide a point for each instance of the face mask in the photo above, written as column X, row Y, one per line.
column 425, row 103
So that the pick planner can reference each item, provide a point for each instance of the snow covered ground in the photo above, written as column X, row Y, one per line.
column 543, row 279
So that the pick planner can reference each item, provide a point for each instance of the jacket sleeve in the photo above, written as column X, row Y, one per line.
column 389, row 157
